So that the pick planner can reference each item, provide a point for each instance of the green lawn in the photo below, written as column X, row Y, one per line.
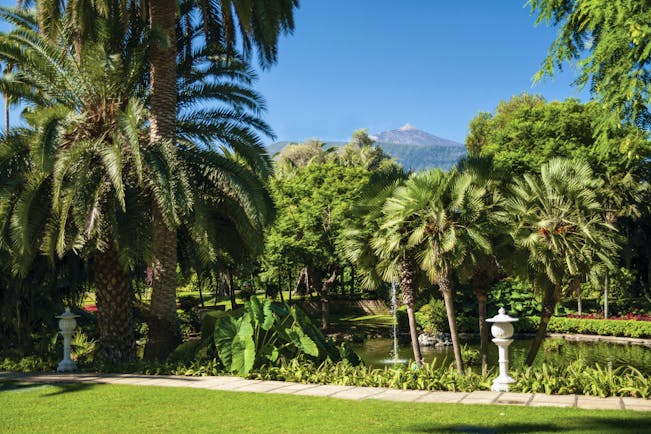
column 31, row 408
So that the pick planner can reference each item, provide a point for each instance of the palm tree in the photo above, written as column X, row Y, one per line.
column 259, row 25
column 86, row 128
column 378, row 252
column 438, row 213
column 560, row 230
column 483, row 267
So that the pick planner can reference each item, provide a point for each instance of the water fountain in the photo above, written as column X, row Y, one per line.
column 394, row 356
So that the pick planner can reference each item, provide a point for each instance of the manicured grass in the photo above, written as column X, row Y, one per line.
column 110, row 408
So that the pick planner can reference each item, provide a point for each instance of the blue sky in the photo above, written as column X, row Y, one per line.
column 379, row 64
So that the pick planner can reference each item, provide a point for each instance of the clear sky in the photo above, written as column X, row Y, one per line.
column 379, row 64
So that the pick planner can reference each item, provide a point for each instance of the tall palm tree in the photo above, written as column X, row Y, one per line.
column 560, row 230
column 482, row 267
column 438, row 213
column 86, row 128
column 377, row 253
column 259, row 24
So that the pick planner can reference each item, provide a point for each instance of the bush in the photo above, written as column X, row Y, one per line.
column 470, row 356
column 578, row 378
column 603, row 327
column 432, row 317
column 427, row 377
column 515, row 296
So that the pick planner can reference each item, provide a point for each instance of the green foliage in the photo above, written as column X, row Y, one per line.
column 402, row 319
column 515, row 296
column 28, row 364
column 84, row 348
column 553, row 345
column 578, row 378
column 264, row 334
column 427, row 377
column 609, row 41
column 314, row 204
column 470, row 356
column 432, row 317
column 526, row 131
column 603, row 327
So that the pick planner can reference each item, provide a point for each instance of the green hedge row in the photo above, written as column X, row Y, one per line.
column 602, row 327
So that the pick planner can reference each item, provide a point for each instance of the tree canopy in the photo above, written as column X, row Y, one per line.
column 609, row 41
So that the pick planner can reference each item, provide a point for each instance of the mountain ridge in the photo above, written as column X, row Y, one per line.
column 413, row 148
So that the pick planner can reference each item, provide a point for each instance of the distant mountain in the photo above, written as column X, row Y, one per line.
column 274, row 148
column 413, row 148
column 409, row 135
column 418, row 150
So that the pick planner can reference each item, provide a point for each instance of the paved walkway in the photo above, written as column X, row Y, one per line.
column 237, row 384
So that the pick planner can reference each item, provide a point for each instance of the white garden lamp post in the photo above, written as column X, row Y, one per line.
column 67, row 325
column 502, row 330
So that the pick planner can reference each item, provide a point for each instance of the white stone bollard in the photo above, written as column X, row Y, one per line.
column 67, row 324
column 502, row 330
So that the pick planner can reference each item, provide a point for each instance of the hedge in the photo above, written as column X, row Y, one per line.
column 602, row 327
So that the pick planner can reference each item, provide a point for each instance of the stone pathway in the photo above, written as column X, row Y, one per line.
column 237, row 384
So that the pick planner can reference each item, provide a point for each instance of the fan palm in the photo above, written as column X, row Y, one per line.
column 437, row 215
column 560, row 229
column 481, row 266
column 379, row 257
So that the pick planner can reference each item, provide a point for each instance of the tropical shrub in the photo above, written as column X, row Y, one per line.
column 515, row 296
column 578, row 378
column 470, row 355
column 266, row 334
column 432, row 317
column 632, row 328
column 426, row 377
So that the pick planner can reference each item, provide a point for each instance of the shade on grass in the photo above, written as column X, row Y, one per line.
column 33, row 408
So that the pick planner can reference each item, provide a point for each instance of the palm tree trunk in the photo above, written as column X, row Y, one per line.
column 164, row 333
column 114, row 298
column 446, row 289
column 482, row 298
column 549, row 301
column 606, row 296
column 228, row 279
column 409, row 299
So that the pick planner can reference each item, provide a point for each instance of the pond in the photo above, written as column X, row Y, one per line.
column 376, row 352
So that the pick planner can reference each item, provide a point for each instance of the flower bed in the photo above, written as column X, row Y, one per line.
column 632, row 316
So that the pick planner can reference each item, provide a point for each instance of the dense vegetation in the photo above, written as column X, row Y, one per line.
column 131, row 177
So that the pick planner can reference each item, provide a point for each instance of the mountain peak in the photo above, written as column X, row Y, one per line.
column 407, row 127
column 410, row 135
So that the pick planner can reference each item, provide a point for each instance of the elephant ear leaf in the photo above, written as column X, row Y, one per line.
column 260, row 312
column 303, row 342
column 325, row 347
column 234, row 343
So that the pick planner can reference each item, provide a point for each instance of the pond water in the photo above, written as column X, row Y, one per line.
column 377, row 352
